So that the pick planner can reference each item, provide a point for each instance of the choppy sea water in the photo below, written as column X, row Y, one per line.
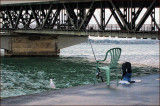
column 75, row 66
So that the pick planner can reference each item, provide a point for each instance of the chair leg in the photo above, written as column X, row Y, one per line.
column 108, row 76
column 95, row 78
column 116, row 77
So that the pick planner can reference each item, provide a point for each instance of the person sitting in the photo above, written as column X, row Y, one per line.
column 126, row 73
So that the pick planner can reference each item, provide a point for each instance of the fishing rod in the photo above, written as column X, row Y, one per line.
column 98, row 73
column 92, row 50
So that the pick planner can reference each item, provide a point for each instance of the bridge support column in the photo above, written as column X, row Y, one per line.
column 33, row 46
column 38, row 45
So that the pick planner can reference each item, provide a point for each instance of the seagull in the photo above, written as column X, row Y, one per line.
column 52, row 85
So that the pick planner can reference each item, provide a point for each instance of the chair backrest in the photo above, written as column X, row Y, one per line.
column 115, row 55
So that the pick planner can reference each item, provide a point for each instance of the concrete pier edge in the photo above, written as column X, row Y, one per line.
column 143, row 93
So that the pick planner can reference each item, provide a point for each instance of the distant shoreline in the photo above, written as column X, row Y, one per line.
column 137, row 41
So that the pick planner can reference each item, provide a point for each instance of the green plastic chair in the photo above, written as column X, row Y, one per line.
column 114, row 57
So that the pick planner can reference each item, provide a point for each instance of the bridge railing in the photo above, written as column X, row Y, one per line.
column 149, row 27
column 109, row 27
column 90, row 27
column 115, row 27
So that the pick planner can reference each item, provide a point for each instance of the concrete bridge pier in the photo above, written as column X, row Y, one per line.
column 37, row 45
column 31, row 46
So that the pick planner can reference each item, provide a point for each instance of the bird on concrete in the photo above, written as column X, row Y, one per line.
column 52, row 85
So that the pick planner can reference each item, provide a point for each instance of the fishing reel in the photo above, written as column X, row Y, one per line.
column 98, row 74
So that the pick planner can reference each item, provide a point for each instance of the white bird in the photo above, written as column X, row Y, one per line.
column 52, row 85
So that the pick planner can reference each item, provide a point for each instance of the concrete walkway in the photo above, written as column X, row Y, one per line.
column 143, row 93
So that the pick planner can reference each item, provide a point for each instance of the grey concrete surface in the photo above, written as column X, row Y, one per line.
column 143, row 93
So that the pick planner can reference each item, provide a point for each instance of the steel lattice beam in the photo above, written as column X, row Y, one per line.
column 115, row 16
column 120, row 15
column 10, row 18
column 96, row 21
column 88, row 16
column 35, row 16
column 19, row 16
column 143, row 19
column 56, row 16
column 102, row 16
column 47, row 16
column 153, row 19
column 77, row 16
column 71, row 15
column 135, row 16
column 108, row 20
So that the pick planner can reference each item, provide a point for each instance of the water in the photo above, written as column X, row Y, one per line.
column 75, row 66
column 139, row 54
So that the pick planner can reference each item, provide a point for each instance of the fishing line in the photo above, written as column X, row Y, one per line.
column 92, row 49
column 98, row 73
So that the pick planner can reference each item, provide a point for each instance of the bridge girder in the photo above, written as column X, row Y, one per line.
column 77, row 15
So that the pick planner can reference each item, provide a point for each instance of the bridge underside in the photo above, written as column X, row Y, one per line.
column 119, row 34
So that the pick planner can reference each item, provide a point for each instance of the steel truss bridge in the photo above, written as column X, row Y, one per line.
column 72, row 17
